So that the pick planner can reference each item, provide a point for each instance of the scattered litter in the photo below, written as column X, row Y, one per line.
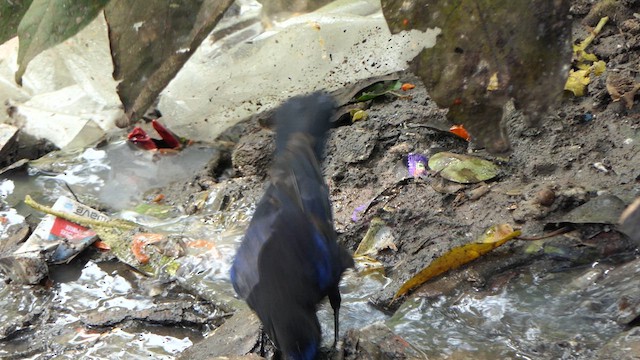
column 54, row 241
column 407, row 87
column 601, row 167
column 168, row 140
column 355, row 215
column 417, row 164
column 118, row 234
column 460, row 131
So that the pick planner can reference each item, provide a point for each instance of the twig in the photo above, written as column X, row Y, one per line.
column 78, row 219
column 562, row 230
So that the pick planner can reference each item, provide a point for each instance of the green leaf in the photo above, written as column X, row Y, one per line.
column 151, row 40
column 49, row 22
column 464, row 169
column 11, row 12
column 488, row 52
column 378, row 237
column 156, row 210
column 379, row 89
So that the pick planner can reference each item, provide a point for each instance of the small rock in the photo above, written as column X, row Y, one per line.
column 625, row 346
column 545, row 197
column 24, row 268
column 630, row 221
column 631, row 26
column 377, row 341
column 233, row 339
column 619, row 293
column 253, row 154
column 353, row 145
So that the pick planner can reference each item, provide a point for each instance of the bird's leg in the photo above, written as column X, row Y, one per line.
column 263, row 335
column 277, row 355
column 334, row 300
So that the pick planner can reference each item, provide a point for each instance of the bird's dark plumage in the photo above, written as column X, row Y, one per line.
column 289, row 259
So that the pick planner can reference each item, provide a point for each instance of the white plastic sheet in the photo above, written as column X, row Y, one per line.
column 336, row 45
column 69, row 96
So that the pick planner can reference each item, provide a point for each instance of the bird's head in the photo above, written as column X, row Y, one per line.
column 308, row 115
column 297, row 333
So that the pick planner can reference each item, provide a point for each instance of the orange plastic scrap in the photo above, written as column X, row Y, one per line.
column 137, row 248
column 407, row 86
column 201, row 243
column 101, row 245
column 140, row 241
column 460, row 131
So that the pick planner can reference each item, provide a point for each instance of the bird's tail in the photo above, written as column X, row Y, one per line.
column 309, row 115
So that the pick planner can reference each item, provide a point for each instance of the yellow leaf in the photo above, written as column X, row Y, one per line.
column 357, row 115
column 587, row 41
column 458, row 256
column 577, row 81
column 583, row 66
column 585, row 62
column 496, row 233
column 493, row 82
column 586, row 57
column 598, row 67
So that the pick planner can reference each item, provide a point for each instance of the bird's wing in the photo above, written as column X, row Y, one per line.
column 244, row 270
column 297, row 173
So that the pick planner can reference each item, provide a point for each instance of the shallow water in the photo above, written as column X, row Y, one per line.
column 531, row 318
column 59, row 332
column 119, row 174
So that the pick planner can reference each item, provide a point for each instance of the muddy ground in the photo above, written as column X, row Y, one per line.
column 586, row 147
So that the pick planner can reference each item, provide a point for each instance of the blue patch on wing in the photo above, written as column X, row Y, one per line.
column 308, row 353
column 322, row 262
column 244, row 270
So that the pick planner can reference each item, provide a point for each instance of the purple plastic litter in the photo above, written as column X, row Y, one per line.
column 357, row 211
column 417, row 164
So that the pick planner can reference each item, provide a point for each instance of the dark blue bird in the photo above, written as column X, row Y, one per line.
column 289, row 259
